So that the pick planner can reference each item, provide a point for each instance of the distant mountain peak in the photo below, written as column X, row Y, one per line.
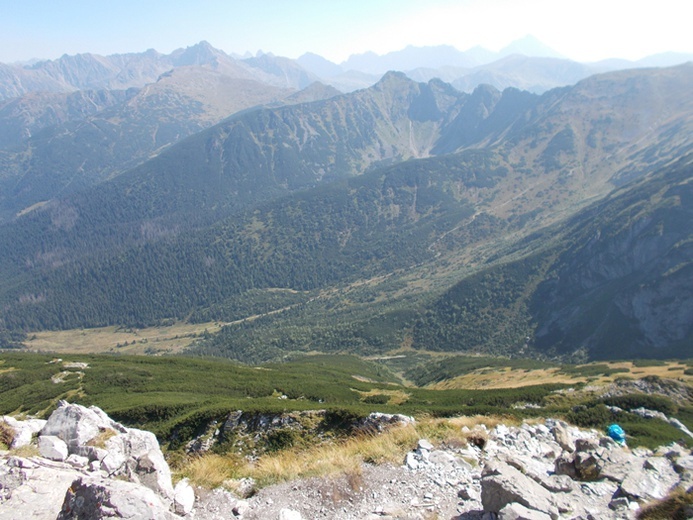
column 393, row 79
column 318, row 65
column 530, row 46
column 199, row 54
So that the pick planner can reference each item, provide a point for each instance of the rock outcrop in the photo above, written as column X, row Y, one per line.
column 90, row 467
column 94, row 467
column 248, row 432
column 550, row 470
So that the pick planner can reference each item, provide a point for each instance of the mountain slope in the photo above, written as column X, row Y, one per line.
column 83, row 152
column 22, row 117
column 265, row 153
column 368, row 225
column 614, row 281
column 336, row 213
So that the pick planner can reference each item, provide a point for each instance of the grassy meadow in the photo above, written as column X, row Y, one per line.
column 170, row 339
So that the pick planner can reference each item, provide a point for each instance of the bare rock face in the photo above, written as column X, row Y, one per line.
column 97, row 499
column 136, row 455
column 563, row 437
column 33, row 488
column 90, row 467
column 653, row 481
column 119, row 451
column 501, row 484
column 77, row 425
column 520, row 512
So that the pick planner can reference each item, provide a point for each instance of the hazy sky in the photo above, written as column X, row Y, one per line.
column 585, row 30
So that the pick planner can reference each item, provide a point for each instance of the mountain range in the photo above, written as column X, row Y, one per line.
column 139, row 189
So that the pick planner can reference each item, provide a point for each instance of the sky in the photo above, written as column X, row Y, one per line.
column 583, row 30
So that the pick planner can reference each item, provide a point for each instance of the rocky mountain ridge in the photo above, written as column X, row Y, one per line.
column 92, row 467
column 526, row 64
column 123, row 71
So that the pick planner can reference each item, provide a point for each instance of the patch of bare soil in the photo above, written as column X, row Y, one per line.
column 375, row 492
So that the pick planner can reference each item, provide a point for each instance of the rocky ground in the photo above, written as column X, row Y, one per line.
column 88, row 466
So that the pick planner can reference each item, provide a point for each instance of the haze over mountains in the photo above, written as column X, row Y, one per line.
column 462, row 205
column 469, row 68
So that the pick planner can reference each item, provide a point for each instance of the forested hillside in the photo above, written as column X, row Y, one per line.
column 614, row 281
column 403, row 215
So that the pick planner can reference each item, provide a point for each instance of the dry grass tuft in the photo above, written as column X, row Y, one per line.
column 26, row 451
column 355, row 480
column 100, row 440
column 212, row 470
column 344, row 487
column 338, row 457
column 449, row 432
column 6, row 435
column 677, row 506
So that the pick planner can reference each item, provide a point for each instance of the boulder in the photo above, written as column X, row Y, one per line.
column 565, row 465
column 53, row 448
column 563, row 437
column 653, row 481
column 33, row 488
column 532, row 466
column 77, row 461
column 241, row 507
column 501, row 484
column 520, row 512
column 586, row 444
column 121, row 452
column 152, row 471
column 684, row 464
column 587, row 465
column 411, row 460
column 424, row 444
column 617, row 463
column 183, row 497
column 78, row 425
column 98, row 499
column 559, row 483
column 23, row 430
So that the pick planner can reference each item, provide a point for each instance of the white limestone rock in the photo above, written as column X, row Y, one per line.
column 100, row 498
column 411, row 461
column 33, row 488
column 501, row 484
column 129, row 452
column 289, row 514
column 77, row 425
column 52, row 447
column 183, row 497
column 24, row 431
column 516, row 511
column 77, row 461
column 651, row 482
column 241, row 507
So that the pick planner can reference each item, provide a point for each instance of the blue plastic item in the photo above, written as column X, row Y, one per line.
column 616, row 433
